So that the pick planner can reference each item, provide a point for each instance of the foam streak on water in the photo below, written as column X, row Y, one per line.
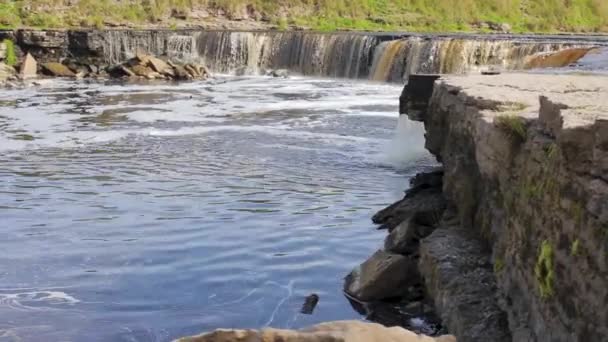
column 144, row 212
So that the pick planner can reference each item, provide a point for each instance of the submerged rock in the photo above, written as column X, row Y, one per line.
column 384, row 275
column 344, row 331
column 283, row 73
column 310, row 304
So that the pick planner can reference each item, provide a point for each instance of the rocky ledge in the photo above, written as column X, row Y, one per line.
column 345, row 331
column 525, row 160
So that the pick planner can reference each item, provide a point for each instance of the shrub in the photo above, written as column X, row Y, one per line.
column 11, row 56
column 513, row 125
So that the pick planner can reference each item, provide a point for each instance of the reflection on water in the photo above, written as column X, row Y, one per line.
column 144, row 212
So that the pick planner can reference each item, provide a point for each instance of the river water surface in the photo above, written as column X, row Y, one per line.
column 145, row 212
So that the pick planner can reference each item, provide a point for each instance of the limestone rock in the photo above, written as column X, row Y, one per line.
column 6, row 71
column 382, row 276
column 57, row 70
column 29, row 67
column 141, row 70
column 460, row 278
column 344, row 331
column 158, row 64
column 405, row 238
column 546, row 192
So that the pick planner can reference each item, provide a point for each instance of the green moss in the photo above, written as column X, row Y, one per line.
column 544, row 270
column 575, row 248
column 499, row 265
column 11, row 55
column 513, row 125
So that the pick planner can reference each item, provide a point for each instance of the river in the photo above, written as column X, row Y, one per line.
column 149, row 211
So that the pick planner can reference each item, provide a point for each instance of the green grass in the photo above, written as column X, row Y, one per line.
column 327, row 15
column 514, row 126
column 11, row 56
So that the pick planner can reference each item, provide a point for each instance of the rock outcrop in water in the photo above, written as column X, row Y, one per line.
column 346, row 331
column 526, row 165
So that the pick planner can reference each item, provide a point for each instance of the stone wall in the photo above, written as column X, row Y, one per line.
column 526, row 165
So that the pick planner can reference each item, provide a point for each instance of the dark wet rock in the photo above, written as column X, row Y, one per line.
column 425, row 180
column 120, row 71
column 459, row 276
column 427, row 202
column 310, row 304
column 29, row 67
column 57, row 70
column 382, row 276
column 405, row 238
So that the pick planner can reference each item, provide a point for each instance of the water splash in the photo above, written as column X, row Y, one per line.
column 407, row 144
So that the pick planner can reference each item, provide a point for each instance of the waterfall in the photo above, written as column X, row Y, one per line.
column 348, row 55
column 181, row 48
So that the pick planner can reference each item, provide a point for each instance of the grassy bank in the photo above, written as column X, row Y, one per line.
column 327, row 15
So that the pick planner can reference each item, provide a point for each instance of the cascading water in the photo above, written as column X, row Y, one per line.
column 181, row 48
column 344, row 55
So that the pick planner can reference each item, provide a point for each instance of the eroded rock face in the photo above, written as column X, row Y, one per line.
column 345, row 331
column 528, row 177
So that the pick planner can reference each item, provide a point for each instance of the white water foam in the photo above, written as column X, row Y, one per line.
column 36, row 300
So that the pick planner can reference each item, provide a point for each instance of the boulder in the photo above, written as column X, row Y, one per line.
column 57, row 70
column 29, row 67
column 141, row 70
column 120, row 70
column 383, row 276
column 426, row 201
column 192, row 70
column 405, row 238
column 181, row 73
column 158, row 64
column 344, row 331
